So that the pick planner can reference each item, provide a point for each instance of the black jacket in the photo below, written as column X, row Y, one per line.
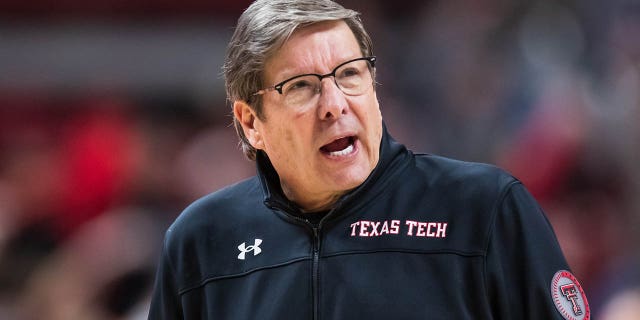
column 424, row 237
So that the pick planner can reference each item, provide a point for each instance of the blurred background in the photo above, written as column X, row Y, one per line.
column 113, row 118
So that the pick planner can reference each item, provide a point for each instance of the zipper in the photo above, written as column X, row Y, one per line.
column 315, row 254
column 316, row 272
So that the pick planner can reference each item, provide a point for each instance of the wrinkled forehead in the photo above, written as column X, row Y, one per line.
column 316, row 48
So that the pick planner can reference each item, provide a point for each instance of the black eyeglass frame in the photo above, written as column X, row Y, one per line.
column 278, row 87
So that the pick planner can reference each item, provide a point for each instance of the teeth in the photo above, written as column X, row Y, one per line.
column 343, row 152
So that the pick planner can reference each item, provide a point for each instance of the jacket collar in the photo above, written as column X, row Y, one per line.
column 391, row 161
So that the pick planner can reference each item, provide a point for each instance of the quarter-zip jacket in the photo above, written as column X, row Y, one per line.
column 424, row 237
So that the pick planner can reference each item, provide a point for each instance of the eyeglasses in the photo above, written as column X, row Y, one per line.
column 352, row 77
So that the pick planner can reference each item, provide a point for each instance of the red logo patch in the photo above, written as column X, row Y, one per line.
column 569, row 297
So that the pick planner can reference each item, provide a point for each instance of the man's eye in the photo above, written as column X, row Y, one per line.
column 299, row 85
column 350, row 72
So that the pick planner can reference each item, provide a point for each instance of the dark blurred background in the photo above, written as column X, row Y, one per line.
column 113, row 118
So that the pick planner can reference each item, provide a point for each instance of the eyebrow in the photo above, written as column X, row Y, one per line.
column 300, row 73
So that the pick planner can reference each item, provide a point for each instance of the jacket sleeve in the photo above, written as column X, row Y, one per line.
column 165, row 300
column 522, row 257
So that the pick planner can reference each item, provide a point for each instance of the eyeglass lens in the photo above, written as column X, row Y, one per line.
column 353, row 78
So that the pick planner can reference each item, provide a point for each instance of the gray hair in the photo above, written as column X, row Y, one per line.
column 261, row 30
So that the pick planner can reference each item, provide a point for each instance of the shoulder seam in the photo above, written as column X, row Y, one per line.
column 494, row 211
column 492, row 221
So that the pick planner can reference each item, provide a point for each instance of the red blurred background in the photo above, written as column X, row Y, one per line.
column 113, row 118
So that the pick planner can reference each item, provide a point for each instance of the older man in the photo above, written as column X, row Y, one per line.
column 341, row 221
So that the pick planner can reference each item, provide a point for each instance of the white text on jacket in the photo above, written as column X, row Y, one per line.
column 411, row 228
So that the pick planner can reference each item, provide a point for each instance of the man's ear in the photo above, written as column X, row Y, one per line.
column 248, row 120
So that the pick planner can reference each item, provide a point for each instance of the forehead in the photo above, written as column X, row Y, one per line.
column 317, row 48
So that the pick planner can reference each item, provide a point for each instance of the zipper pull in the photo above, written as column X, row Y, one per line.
column 316, row 240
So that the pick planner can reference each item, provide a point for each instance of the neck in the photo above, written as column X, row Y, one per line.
column 311, row 202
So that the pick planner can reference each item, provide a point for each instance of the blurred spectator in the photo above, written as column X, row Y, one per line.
column 28, row 195
column 102, row 272
column 66, row 167
column 623, row 306
column 101, row 151
column 210, row 161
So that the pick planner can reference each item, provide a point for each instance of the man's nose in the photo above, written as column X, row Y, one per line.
column 332, row 103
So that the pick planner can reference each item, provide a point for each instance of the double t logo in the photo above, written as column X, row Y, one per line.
column 244, row 248
column 571, row 293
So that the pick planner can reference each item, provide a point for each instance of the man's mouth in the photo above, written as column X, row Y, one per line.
column 339, row 147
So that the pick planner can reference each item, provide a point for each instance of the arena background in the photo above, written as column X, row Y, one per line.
column 113, row 118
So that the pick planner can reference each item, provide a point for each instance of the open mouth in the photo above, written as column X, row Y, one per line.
column 339, row 147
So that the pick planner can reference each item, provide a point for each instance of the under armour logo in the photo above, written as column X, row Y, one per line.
column 255, row 248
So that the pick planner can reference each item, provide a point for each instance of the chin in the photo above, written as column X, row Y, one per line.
column 351, row 179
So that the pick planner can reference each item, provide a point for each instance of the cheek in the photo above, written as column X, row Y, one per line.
column 376, row 106
column 373, row 124
column 281, row 142
column 284, row 133
column 372, row 115
column 289, row 140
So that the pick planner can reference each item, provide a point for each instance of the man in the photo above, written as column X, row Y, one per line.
column 341, row 221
